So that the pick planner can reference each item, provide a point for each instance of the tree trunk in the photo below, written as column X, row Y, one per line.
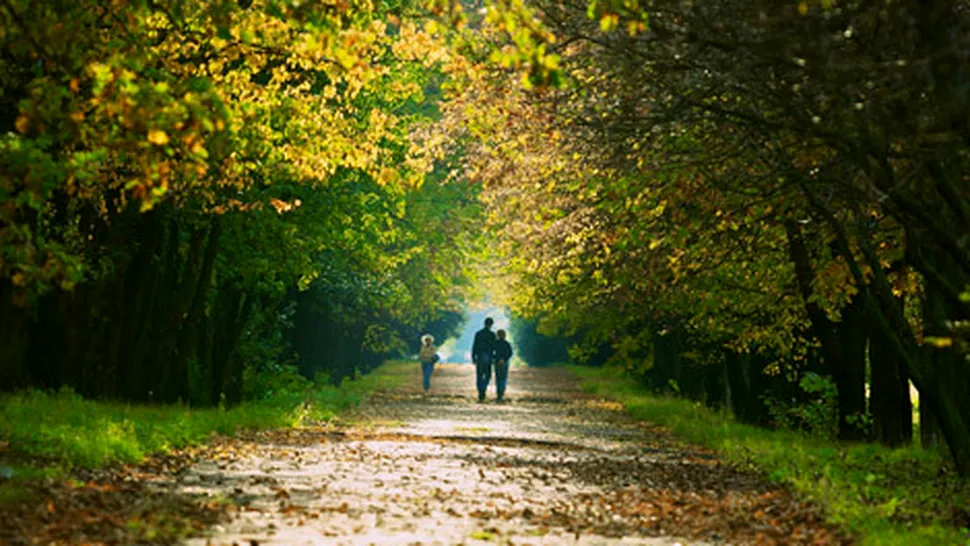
column 14, row 339
column 902, row 340
column 889, row 401
column 945, row 390
column 234, row 311
column 233, row 364
column 714, row 388
column 930, row 435
column 108, row 367
column 743, row 375
column 933, row 388
column 843, row 344
column 133, row 353
column 177, row 385
column 934, row 392
column 850, row 372
column 666, row 372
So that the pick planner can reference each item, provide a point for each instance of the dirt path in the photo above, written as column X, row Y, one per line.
column 551, row 466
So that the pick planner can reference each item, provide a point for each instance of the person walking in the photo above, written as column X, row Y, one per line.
column 428, row 356
column 483, row 351
column 503, row 356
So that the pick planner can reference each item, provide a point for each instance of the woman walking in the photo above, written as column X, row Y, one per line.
column 428, row 358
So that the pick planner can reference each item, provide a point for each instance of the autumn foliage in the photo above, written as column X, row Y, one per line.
column 194, row 192
column 728, row 197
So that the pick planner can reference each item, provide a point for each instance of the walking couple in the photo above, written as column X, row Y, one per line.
column 489, row 349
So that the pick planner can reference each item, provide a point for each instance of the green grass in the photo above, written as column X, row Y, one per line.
column 888, row 497
column 64, row 430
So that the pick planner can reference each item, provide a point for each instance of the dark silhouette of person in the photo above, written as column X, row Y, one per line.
column 483, row 352
column 503, row 355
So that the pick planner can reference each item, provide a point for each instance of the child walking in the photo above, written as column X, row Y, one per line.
column 428, row 358
column 503, row 354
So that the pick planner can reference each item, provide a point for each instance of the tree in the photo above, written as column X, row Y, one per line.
column 178, row 174
column 788, row 119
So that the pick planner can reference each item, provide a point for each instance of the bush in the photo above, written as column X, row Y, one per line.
column 818, row 413
column 272, row 380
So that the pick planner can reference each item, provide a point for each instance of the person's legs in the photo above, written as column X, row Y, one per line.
column 483, row 374
column 501, row 377
column 426, row 369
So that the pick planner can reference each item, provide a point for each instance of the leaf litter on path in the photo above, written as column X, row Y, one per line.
column 551, row 466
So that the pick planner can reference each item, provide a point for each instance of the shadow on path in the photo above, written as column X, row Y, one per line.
column 553, row 465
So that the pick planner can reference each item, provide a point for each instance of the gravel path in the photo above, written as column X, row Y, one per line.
column 551, row 465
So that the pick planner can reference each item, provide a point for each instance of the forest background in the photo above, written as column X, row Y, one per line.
column 762, row 206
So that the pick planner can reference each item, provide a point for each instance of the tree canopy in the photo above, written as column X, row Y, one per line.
column 184, row 178
column 738, row 182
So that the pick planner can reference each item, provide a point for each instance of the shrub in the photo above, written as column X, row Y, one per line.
column 272, row 380
column 818, row 413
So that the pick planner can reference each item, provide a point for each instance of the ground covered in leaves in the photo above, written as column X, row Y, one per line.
column 551, row 465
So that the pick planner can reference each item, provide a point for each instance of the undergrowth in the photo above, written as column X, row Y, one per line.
column 885, row 496
column 62, row 429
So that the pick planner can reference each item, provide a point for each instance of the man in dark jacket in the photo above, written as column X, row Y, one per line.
column 483, row 351
column 503, row 355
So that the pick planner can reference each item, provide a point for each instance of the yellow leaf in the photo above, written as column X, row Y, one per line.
column 199, row 149
column 939, row 342
column 608, row 22
column 386, row 176
column 158, row 137
column 22, row 124
column 803, row 8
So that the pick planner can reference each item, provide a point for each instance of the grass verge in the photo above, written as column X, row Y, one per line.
column 44, row 434
column 885, row 496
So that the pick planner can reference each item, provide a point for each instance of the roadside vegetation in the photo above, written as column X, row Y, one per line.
column 899, row 496
column 47, row 434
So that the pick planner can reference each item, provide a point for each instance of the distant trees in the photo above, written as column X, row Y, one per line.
column 780, row 186
column 535, row 347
